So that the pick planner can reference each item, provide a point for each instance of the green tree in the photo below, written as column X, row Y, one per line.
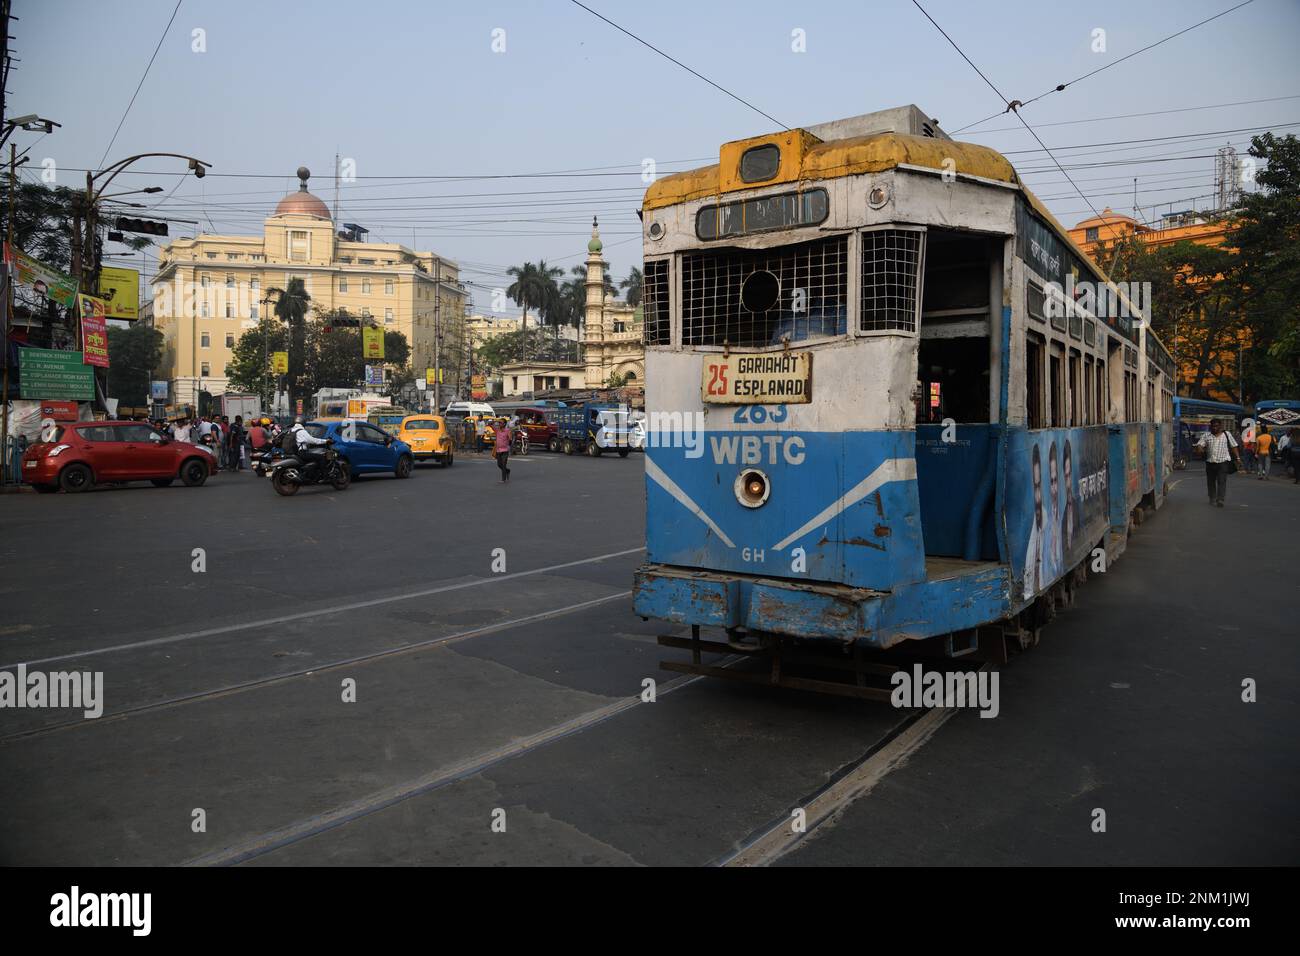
column 43, row 220
column 133, row 355
column 249, row 369
column 1268, row 243
column 291, row 305
column 1195, row 306
column 519, row 346
column 633, row 284
column 334, row 358
column 1232, row 313
column 534, row 287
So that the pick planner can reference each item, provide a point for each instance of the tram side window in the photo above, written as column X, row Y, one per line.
column 1099, row 393
column 1088, row 418
column 1056, row 386
column 1035, row 347
column 1076, row 362
column 657, row 326
column 1117, row 383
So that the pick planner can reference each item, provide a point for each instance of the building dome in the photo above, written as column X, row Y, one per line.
column 302, row 203
column 595, row 245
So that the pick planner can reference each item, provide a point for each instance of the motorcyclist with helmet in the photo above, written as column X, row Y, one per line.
column 310, row 448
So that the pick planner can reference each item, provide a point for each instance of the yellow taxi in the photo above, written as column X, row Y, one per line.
column 428, row 437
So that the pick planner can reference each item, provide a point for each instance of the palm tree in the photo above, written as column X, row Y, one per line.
column 291, row 306
column 533, row 288
column 633, row 286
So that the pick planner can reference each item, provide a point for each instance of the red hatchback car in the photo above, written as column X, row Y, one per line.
column 83, row 454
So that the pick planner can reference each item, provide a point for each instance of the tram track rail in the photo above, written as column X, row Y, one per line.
column 308, row 827
column 856, row 779
column 270, row 680
column 315, row 612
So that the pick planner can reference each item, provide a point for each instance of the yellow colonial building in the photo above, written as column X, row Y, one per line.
column 211, row 289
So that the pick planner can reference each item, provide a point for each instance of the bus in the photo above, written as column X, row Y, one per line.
column 888, row 400
column 1192, row 417
column 1279, row 414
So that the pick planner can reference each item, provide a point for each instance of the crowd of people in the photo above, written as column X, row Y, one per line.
column 231, row 442
column 1225, row 455
column 1257, row 453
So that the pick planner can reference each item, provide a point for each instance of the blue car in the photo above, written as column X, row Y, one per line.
column 367, row 449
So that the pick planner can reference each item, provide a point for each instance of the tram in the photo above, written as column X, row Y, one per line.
column 887, row 398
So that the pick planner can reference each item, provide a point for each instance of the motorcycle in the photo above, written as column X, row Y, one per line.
column 262, row 459
column 291, row 472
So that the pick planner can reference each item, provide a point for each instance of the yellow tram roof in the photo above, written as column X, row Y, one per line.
column 806, row 157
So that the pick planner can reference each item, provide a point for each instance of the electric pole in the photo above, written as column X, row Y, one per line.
column 437, row 338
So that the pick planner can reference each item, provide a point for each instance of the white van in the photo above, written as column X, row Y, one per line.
column 466, row 409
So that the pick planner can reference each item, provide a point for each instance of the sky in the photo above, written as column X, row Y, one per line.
column 448, row 111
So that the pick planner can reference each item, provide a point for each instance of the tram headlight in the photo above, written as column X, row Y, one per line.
column 752, row 488
column 878, row 195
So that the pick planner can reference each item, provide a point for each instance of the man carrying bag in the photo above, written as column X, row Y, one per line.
column 1220, row 460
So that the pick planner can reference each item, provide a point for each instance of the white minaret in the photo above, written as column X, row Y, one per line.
column 594, row 325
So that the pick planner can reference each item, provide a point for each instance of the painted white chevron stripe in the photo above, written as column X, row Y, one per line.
column 891, row 469
column 670, row 486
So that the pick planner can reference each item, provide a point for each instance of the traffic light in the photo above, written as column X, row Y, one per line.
column 148, row 227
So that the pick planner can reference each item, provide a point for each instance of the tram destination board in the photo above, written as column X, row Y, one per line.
column 755, row 378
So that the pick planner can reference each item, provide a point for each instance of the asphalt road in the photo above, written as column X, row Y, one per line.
column 512, row 697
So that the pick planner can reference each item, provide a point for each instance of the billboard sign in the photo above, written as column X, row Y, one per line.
column 120, row 289
column 94, row 330
column 41, row 278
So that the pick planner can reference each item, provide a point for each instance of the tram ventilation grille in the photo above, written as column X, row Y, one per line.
column 891, row 266
column 654, row 303
column 808, row 299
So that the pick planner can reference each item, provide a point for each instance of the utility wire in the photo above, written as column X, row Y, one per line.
column 141, row 83
column 1061, row 86
column 1100, row 119
column 683, row 65
column 918, row 6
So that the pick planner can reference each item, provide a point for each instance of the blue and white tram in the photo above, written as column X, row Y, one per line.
column 888, row 399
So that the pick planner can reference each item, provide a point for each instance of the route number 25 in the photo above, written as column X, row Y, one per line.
column 717, row 380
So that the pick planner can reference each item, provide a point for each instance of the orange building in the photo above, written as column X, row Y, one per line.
column 1100, row 233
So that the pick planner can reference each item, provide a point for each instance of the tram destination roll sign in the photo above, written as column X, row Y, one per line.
column 757, row 378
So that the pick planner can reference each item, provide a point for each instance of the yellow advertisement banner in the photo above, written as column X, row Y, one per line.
column 280, row 363
column 120, row 288
column 372, row 343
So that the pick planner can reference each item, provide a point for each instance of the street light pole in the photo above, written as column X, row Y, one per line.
column 437, row 339
column 84, row 259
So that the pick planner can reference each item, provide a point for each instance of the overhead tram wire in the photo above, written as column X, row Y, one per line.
column 1120, row 116
column 1155, row 139
column 140, row 85
column 694, row 73
column 1004, row 100
column 1061, row 86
